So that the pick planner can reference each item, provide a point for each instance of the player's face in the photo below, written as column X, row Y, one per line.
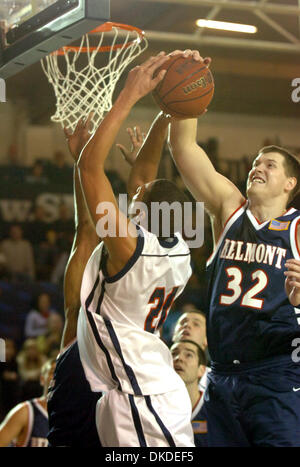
column 267, row 176
column 186, row 362
column 191, row 326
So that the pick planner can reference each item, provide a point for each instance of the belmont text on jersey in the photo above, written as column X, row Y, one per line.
column 253, row 252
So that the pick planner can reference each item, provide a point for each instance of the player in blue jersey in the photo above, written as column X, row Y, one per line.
column 190, row 363
column 253, row 293
column 26, row 425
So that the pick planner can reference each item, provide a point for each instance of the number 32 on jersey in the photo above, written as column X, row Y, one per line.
column 249, row 299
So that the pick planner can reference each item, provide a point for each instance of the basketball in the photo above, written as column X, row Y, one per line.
column 186, row 89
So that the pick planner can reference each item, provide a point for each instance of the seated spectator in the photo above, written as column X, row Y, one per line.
column 37, row 174
column 19, row 254
column 49, row 344
column 47, row 254
column 30, row 361
column 37, row 229
column 58, row 170
column 9, row 379
column 13, row 171
column 37, row 319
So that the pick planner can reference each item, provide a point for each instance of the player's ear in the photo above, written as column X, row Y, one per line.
column 201, row 371
column 291, row 183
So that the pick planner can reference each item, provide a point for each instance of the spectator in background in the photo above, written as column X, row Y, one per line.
column 19, row 254
column 37, row 174
column 9, row 379
column 30, row 361
column 38, row 228
column 37, row 319
column 58, row 169
column 49, row 344
column 190, row 363
column 47, row 254
column 13, row 171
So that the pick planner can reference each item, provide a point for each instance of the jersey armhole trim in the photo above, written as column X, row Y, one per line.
column 131, row 262
column 293, row 238
column 231, row 219
column 29, row 425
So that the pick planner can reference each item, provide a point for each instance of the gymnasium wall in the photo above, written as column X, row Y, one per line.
column 238, row 134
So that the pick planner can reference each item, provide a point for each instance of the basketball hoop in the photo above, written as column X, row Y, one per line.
column 81, row 89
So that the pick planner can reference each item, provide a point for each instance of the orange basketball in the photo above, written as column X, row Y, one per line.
column 186, row 89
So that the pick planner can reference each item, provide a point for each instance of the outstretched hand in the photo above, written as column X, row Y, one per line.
column 79, row 138
column 142, row 79
column 137, row 138
column 292, row 282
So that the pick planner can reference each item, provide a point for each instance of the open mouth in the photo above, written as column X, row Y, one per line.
column 258, row 180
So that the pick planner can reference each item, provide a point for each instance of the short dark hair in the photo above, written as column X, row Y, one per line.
column 291, row 165
column 163, row 190
column 202, row 360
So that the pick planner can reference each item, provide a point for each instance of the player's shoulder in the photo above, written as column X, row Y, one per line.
column 164, row 247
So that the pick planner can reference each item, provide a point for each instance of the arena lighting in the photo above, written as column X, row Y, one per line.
column 236, row 27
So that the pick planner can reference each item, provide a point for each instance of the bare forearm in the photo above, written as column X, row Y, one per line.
column 95, row 153
column 147, row 161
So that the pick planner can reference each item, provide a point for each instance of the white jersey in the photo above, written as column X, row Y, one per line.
column 118, row 323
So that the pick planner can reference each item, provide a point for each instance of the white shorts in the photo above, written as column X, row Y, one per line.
column 163, row 420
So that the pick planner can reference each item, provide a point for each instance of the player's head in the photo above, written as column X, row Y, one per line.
column 47, row 372
column 189, row 361
column 167, row 219
column 275, row 173
column 192, row 326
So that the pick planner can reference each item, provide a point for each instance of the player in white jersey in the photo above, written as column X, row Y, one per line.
column 128, row 287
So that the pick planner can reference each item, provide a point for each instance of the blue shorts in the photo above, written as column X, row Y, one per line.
column 254, row 404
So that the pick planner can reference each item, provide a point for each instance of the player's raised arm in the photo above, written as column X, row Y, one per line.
column 220, row 195
column 145, row 167
column 85, row 240
column 97, row 189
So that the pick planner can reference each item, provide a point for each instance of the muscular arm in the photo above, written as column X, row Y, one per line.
column 146, row 164
column 85, row 241
column 13, row 425
column 98, row 192
column 220, row 195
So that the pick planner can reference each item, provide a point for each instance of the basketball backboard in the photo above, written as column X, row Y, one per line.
column 35, row 28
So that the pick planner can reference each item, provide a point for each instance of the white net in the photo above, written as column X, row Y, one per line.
column 83, row 88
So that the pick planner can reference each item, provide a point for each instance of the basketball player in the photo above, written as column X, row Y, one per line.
column 252, row 397
column 190, row 363
column 26, row 425
column 71, row 403
column 128, row 286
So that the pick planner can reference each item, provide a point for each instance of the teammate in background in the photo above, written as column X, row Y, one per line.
column 192, row 326
column 254, row 287
column 71, row 403
column 190, row 363
column 124, row 303
column 26, row 425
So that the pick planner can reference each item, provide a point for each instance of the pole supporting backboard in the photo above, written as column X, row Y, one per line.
column 44, row 37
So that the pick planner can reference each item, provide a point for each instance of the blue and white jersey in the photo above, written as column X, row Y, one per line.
column 199, row 424
column 120, row 317
column 38, row 425
column 249, row 315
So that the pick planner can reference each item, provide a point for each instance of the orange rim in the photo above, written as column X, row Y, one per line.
column 105, row 27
